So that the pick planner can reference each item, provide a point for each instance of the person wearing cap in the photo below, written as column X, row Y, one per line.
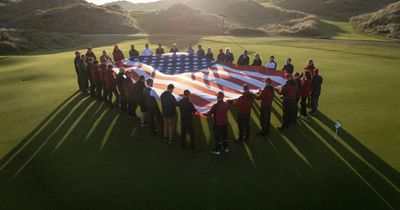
column 220, row 113
column 200, row 51
column 288, row 67
column 96, row 79
column 154, row 113
column 168, row 104
column 139, row 98
column 174, row 49
column 187, row 110
column 190, row 49
column 305, row 93
column 244, row 59
column 83, row 75
column 266, row 96
column 77, row 61
column 209, row 54
column 120, row 86
column 129, row 90
column 316, row 84
column 110, row 84
column 159, row 50
column 271, row 63
column 289, row 93
column 147, row 51
column 133, row 53
column 257, row 61
column 310, row 66
column 90, row 54
column 221, row 56
column 118, row 54
column 229, row 58
column 104, row 58
column 244, row 105
column 89, row 65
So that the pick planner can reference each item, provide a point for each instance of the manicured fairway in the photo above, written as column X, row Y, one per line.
column 60, row 150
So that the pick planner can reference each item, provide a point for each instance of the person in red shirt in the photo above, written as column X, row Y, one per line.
column 305, row 94
column 266, row 96
column 220, row 113
column 289, row 93
column 129, row 89
column 110, row 87
column 104, row 58
column 310, row 66
column 118, row 54
column 96, row 79
column 244, row 104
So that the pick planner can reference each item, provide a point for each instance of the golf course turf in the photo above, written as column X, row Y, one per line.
column 62, row 150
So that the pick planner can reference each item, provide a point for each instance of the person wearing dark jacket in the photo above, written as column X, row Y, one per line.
column 316, row 84
column 174, row 49
column 154, row 113
column 187, row 110
column 288, row 67
column 168, row 104
column 200, row 51
column 244, row 59
column 110, row 84
column 289, row 93
column 221, row 56
column 209, row 54
column 129, row 90
column 90, row 54
column 133, row 53
column 89, row 67
column 120, row 85
column 83, row 75
column 139, row 98
column 159, row 50
column 77, row 61
column 244, row 104
column 257, row 61
column 297, row 79
column 220, row 113
column 229, row 58
column 305, row 94
column 96, row 79
column 118, row 55
column 266, row 96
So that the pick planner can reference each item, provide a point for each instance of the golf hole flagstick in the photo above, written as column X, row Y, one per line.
column 338, row 125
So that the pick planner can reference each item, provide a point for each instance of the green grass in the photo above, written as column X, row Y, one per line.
column 59, row 150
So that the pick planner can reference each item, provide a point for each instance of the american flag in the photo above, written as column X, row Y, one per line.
column 203, row 77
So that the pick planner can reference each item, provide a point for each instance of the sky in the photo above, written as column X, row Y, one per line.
column 108, row 1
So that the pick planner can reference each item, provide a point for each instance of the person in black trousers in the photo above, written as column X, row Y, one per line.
column 139, row 98
column 316, row 84
column 187, row 109
column 266, row 96
column 120, row 85
column 154, row 113
column 77, row 60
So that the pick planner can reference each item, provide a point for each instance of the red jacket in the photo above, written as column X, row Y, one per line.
column 306, row 88
column 290, row 91
column 220, row 113
column 118, row 55
column 266, row 96
column 102, row 70
column 310, row 69
column 109, row 79
column 95, row 73
column 105, row 59
column 244, row 103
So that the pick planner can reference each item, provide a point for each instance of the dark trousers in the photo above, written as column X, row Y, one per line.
column 122, row 101
column 132, row 107
column 109, row 92
column 78, row 78
column 92, row 87
column 289, row 109
column 303, row 106
column 99, row 88
column 187, row 127
column 314, row 100
column 221, row 137
column 155, row 117
column 84, row 84
column 265, row 118
column 244, row 126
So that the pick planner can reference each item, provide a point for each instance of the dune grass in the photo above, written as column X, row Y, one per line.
column 60, row 150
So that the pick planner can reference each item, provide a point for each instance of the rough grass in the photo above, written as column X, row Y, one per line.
column 60, row 150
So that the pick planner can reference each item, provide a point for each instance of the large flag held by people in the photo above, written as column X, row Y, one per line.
column 202, row 76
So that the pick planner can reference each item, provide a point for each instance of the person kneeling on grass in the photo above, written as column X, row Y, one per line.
column 220, row 113
column 187, row 110
column 168, row 104
column 266, row 96
column 154, row 113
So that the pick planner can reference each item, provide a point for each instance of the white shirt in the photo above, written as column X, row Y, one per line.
column 147, row 52
column 154, row 94
column 271, row 65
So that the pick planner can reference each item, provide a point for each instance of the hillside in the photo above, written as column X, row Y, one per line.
column 71, row 16
column 385, row 22
column 333, row 9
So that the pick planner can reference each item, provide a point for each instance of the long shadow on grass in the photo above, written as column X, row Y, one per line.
column 85, row 148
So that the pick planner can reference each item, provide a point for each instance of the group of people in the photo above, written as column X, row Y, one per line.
column 96, row 77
